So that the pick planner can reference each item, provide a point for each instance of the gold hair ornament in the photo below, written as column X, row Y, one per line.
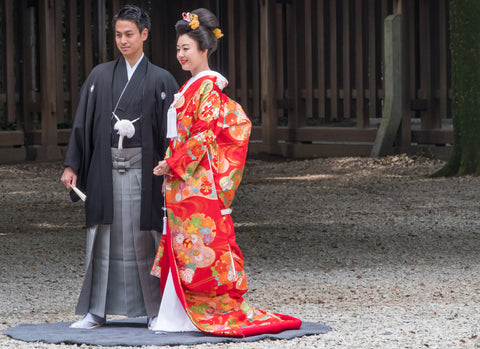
column 218, row 33
column 192, row 20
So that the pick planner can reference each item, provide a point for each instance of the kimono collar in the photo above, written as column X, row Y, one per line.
column 221, row 80
column 172, row 112
column 130, row 69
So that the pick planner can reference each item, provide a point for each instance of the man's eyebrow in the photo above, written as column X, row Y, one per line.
column 126, row 31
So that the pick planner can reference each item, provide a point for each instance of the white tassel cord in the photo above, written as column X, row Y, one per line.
column 164, row 208
column 124, row 129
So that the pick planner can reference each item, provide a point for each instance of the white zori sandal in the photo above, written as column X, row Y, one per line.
column 89, row 322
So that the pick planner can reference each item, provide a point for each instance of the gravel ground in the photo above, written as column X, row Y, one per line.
column 386, row 256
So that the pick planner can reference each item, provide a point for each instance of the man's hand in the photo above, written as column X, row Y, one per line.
column 69, row 178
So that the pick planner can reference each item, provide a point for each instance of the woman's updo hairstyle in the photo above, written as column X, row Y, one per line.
column 205, row 32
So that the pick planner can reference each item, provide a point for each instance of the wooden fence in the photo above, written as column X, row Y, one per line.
column 308, row 72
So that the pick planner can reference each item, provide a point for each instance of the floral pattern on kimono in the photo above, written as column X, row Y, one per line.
column 207, row 160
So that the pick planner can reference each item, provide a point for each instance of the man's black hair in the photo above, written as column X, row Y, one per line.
column 133, row 13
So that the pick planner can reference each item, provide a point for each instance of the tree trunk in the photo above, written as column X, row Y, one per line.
column 465, row 51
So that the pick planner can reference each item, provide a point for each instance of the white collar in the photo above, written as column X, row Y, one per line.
column 221, row 80
column 131, row 70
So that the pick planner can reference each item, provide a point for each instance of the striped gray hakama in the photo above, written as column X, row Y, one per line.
column 120, row 256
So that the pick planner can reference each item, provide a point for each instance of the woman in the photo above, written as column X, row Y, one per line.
column 198, row 261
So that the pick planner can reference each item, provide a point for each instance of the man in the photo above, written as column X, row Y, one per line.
column 117, row 137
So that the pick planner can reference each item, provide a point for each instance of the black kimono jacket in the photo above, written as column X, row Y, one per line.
column 89, row 147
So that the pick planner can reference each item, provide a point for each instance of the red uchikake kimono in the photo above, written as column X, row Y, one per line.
column 207, row 160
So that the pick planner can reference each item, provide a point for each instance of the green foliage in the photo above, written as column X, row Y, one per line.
column 9, row 126
column 64, row 124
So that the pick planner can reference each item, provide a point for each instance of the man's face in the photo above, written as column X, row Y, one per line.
column 129, row 39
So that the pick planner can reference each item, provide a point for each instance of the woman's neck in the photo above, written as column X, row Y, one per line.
column 199, row 70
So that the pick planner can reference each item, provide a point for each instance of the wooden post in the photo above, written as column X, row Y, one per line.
column 321, row 59
column 27, row 71
column 86, row 37
column 393, row 109
column 404, row 136
column 57, row 44
column 267, row 54
column 334, row 41
column 429, row 119
column 397, row 7
column 10, row 60
column 443, row 62
column 347, row 97
column 294, row 61
column 73, row 56
column 372, row 62
column 255, row 111
column 282, row 92
column 114, row 8
column 243, row 55
column 361, row 110
column 411, row 66
column 159, row 34
column 308, row 61
column 101, row 32
column 232, row 81
column 48, row 96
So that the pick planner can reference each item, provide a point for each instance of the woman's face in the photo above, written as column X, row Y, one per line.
column 189, row 55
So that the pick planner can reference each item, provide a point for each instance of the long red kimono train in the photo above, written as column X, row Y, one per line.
column 207, row 160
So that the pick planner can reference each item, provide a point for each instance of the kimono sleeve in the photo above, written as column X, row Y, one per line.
column 79, row 147
column 164, row 92
column 185, row 160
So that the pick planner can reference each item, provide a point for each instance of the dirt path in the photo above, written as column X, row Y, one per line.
column 374, row 248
